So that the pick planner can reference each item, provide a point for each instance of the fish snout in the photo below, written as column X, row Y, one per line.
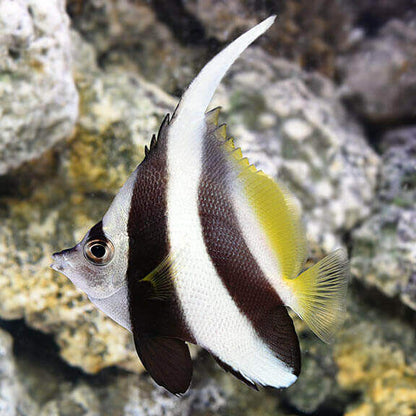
column 60, row 260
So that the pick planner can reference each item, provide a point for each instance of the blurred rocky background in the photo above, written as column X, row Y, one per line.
column 325, row 101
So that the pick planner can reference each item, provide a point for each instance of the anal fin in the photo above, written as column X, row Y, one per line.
column 167, row 360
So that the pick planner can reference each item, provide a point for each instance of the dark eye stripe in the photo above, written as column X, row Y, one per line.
column 97, row 232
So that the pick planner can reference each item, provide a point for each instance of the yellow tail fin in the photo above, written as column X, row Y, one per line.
column 320, row 294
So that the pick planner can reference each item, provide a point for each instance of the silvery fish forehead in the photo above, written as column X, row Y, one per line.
column 98, row 264
column 115, row 223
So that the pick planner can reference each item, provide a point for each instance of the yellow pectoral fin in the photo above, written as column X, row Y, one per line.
column 320, row 294
column 161, row 279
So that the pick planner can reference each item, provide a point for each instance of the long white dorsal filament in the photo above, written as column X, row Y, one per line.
column 199, row 94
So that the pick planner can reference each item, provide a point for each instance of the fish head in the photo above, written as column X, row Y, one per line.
column 97, row 264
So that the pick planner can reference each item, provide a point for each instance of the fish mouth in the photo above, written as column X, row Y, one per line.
column 60, row 260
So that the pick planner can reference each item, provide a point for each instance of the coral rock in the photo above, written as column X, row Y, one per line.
column 380, row 75
column 384, row 247
column 39, row 101
column 119, row 112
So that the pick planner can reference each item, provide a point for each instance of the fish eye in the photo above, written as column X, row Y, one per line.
column 99, row 252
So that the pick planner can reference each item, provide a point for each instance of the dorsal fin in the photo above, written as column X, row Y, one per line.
column 211, row 117
column 161, row 136
column 276, row 210
column 274, row 206
column 221, row 132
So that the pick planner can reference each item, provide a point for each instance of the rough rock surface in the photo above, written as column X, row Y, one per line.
column 14, row 400
column 384, row 249
column 39, row 101
column 291, row 124
column 7, row 370
column 371, row 15
column 37, row 383
column 128, row 35
column 169, row 41
column 379, row 77
column 308, row 32
column 375, row 356
column 119, row 112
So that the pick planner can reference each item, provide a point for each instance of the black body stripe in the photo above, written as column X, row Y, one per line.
column 149, row 245
column 233, row 261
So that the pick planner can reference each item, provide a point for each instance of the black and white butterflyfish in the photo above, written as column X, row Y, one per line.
column 200, row 247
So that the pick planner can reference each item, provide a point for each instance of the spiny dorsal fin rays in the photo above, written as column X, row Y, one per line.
column 162, row 129
column 152, row 143
column 161, row 134
column 221, row 132
column 199, row 94
column 211, row 117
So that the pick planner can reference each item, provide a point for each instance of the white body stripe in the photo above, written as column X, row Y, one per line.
column 209, row 311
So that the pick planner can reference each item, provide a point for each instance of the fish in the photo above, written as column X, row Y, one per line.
column 200, row 247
